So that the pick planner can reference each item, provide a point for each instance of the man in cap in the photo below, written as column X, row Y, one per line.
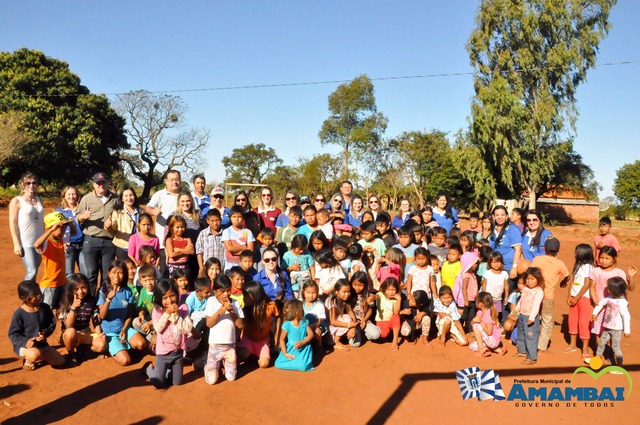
column 94, row 215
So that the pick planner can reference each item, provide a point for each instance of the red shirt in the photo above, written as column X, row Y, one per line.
column 268, row 218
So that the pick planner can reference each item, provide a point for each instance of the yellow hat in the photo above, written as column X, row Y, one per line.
column 53, row 218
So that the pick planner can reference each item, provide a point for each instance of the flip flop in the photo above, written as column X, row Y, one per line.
column 28, row 366
column 569, row 350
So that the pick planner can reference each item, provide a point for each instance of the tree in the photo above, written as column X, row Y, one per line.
column 12, row 138
column 529, row 58
column 354, row 122
column 250, row 164
column 153, row 125
column 75, row 133
column 320, row 173
column 627, row 185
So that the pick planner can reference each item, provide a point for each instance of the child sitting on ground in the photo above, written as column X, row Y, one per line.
column 448, row 318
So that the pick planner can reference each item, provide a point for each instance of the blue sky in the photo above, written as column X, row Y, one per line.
column 119, row 46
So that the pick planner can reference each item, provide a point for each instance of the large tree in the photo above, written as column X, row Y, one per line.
column 12, row 137
column 154, row 126
column 250, row 164
column 75, row 133
column 627, row 185
column 354, row 122
column 529, row 58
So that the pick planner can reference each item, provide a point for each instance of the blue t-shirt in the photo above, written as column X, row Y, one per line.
column 398, row 222
column 510, row 239
column 194, row 303
column 446, row 222
column 530, row 252
column 273, row 290
column 118, row 310
column 353, row 221
column 409, row 254
column 203, row 204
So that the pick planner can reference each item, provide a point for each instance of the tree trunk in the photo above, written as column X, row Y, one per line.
column 532, row 198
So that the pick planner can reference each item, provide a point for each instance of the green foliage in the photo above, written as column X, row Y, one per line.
column 354, row 122
column 627, row 185
column 74, row 133
column 529, row 56
column 250, row 164
column 154, row 123
column 320, row 173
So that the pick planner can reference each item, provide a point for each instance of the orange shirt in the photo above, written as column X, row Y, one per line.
column 53, row 260
column 553, row 272
column 257, row 333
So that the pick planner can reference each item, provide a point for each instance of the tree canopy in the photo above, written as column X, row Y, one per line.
column 74, row 133
column 529, row 58
column 250, row 164
column 354, row 122
column 627, row 185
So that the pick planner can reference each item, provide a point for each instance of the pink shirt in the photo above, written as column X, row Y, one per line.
column 136, row 241
column 600, row 277
column 171, row 334
column 607, row 240
column 390, row 270
column 486, row 318
column 529, row 304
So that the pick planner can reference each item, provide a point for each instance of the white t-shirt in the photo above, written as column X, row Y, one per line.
column 495, row 283
column 223, row 332
column 168, row 203
column 421, row 278
column 327, row 277
column 583, row 272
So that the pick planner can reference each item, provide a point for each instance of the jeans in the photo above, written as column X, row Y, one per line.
column 98, row 254
column 31, row 261
column 165, row 363
column 74, row 256
column 528, row 336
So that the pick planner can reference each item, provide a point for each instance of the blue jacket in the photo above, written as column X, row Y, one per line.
column 272, row 290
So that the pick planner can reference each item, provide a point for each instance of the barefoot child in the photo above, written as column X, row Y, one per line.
column 342, row 321
column 579, row 300
column 617, row 319
column 448, row 318
column 30, row 327
column 486, row 328
column 388, row 301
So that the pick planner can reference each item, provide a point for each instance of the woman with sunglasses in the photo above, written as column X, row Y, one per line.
column 217, row 197
column 336, row 207
column 290, row 200
column 319, row 201
column 275, row 282
column 535, row 235
column 242, row 200
column 266, row 209
column 375, row 206
column 26, row 224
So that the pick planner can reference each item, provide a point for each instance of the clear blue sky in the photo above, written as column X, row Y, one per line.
column 119, row 46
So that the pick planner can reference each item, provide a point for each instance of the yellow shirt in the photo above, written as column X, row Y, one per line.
column 449, row 272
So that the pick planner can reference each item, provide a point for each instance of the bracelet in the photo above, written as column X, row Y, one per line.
column 73, row 309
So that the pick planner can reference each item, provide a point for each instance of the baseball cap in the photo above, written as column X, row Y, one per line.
column 305, row 200
column 217, row 191
column 101, row 176
column 53, row 218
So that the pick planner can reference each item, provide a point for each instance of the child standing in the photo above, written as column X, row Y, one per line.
column 222, row 317
column 605, row 238
column 266, row 239
column 370, row 241
column 237, row 284
column 438, row 246
column 448, row 318
column 383, row 227
column 286, row 234
column 145, row 302
column 324, row 216
column 452, row 267
column 177, row 246
column 296, row 334
column 437, row 276
column 465, row 289
column 236, row 238
column 486, row 328
column 528, row 308
column 143, row 237
column 579, row 300
column 388, row 301
column 299, row 263
column 181, row 281
column 209, row 243
column 31, row 325
column 496, row 281
column 617, row 319
column 392, row 265
column 406, row 245
column 601, row 275
column 197, row 302
column 172, row 324
column 420, row 276
column 554, row 272
column 212, row 269
column 51, row 247
column 327, row 273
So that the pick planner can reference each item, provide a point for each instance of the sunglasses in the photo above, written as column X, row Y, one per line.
column 218, row 196
column 30, row 183
column 532, row 220
column 319, row 199
column 290, row 199
column 266, row 195
column 373, row 202
column 270, row 259
column 241, row 200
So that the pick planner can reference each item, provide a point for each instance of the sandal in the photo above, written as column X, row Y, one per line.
column 28, row 366
column 569, row 349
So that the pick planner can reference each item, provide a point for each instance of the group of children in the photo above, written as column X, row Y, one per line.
column 323, row 294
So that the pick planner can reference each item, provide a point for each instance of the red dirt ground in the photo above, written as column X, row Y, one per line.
column 367, row 385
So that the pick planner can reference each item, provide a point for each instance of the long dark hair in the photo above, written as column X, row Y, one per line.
column 447, row 209
column 247, row 206
column 119, row 205
column 340, row 305
column 258, row 311
column 107, row 286
column 536, row 238
column 279, row 274
column 498, row 239
column 70, row 288
column 584, row 255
